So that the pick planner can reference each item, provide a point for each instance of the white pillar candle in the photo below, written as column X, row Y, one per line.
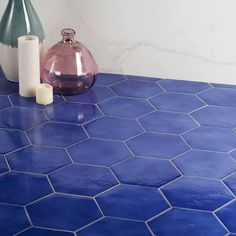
column 29, row 65
column 44, row 94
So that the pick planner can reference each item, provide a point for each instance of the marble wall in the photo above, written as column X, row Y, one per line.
column 179, row 39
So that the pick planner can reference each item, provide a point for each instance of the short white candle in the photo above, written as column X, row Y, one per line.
column 44, row 94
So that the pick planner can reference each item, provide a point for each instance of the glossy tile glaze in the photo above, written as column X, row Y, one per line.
column 134, row 156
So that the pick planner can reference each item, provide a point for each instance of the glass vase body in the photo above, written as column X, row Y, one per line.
column 69, row 66
column 19, row 18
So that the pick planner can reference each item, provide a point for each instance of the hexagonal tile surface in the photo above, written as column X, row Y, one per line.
column 205, row 164
column 168, row 122
column 21, row 118
column 183, row 86
column 36, row 159
column 231, row 183
column 137, row 89
column 24, row 190
column 3, row 165
column 57, row 135
column 12, row 140
column 146, row 172
column 126, row 107
column 113, row 128
column 93, row 96
column 82, row 180
column 227, row 215
column 107, row 79
column 13, row 220
column 132, row 202
column 61, row 212
column 211, row 138
column 115, row 227
column 103, row 152
column 219, row 97
column 216, row 116
column 176, row 102
column 4, row 102
column 187, row 222
column 195, row 193
column 75, row 112
column 19, row 101
column 233, row 154
column 157, row 145
column 145, row 78
column 44, row 232
column 6, row 87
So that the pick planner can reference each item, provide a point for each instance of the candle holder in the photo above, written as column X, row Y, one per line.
column 69, row 66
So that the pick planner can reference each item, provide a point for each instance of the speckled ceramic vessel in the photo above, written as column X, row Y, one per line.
column 19, row 19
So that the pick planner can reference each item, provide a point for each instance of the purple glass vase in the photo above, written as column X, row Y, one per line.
column 69, row 66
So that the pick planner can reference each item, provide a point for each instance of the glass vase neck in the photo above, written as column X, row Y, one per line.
column 68, row 35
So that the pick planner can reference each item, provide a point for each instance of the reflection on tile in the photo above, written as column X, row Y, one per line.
column 168, row 122
column 157, row 145
column 132, row 202
column 113, row 128
column 227, row 215
column 93, row 96
column 107, row 79
column 82, row 180
column 57, row 135
column 219, row 97
column 205, row 164
column 99, row 152
column 216, row 116
column 195, row 193
column 187, row 222
column 115, row 227
column 44, row 232
column 21, row 118
column 13, row 220
column 183, row 86
column 75, row 112
column 25, row 190
column 12, row 140
column 126, row 107
column 61, row 212
column 38, row 159
column 176, row 102
column 212, row 139
column 19, row 101
column 4, row 102
column 146, row 172
column 137, row 89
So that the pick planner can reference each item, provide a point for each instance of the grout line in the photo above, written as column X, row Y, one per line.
column 86, row 226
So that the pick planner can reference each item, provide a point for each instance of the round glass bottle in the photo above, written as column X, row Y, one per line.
column 69, row 66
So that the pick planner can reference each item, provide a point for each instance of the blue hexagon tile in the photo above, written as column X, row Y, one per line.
column 233, row 154
column 205, row 164
column 146, row 172
column 13, row 220
column 132, row 202
column 76, row 113
column 6, row 87
column 155, row 145
column 187, row 222
column 227, row 215
column 3, row 165
column 126, row 107
column 95, row 95
column 182, row 86
column 168, row 122
column 113, row 128
column 24, row 190
column 142, row 78
column 63, row 212
column 115, row 227
column 99, row 152
column 136, row 89
column 231, row 183
column 177, row 102
column 44, row 232
column 196, row 193
column 4, row 102
column 35, row 159
column 57, row 135
column 21, row 118
column 106, row 79
column 82, row 180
